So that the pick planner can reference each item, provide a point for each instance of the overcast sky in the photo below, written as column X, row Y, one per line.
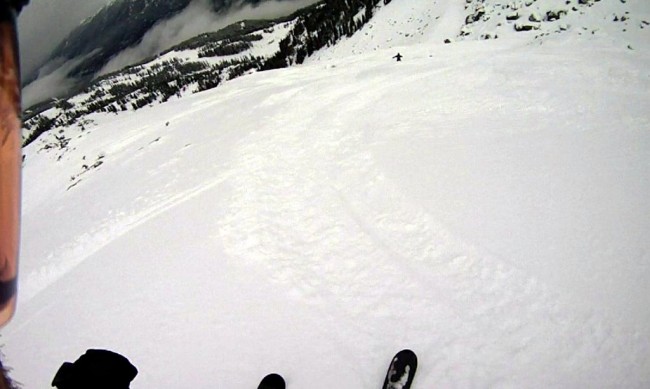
column 45, row 23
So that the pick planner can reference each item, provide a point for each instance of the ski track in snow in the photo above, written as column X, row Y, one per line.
column 310, row 203
column 71, row 255
column 117, row 219
column 354, row 236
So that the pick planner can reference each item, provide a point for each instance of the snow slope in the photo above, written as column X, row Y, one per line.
column 483, row 203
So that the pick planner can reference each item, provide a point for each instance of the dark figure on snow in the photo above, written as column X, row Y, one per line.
column 98, row 369
column 398, row 57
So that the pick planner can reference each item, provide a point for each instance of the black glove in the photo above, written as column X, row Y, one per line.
column 98, row 369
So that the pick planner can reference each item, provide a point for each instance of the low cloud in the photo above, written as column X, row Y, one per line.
column 52, row 81
column 55, row 21
column 196, row 19
column 272, row 9
column 43, row 24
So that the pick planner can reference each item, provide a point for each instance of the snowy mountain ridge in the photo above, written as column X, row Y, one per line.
column 192, row 67
column 126, row 32
column 202, row 63
column 482, row 202
column 535, row 21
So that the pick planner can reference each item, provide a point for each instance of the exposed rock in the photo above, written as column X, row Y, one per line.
column 555, row 15
column 513, row 16
column 526, row 27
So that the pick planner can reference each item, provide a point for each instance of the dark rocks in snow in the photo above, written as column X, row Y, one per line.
column 513, row 16
column 476, row 16
column 555, row 15
column 526, row 27
column 85, row 168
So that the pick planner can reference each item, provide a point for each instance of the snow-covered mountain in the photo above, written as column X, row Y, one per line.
column 483, row 202
column 208, row 59
column 125, row 32
column 123, row 24
column 204, row 61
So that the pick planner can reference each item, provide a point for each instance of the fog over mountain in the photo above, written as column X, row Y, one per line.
column 44, row 24
column 197, row 18
column 126, row 32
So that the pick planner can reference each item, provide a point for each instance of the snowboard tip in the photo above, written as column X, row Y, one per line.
column 272, row 381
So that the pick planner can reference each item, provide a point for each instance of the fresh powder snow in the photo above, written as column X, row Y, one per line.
column 483, row 203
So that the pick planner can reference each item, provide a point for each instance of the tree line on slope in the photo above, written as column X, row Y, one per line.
column 315, row 27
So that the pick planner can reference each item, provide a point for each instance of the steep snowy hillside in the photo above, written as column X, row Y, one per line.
column 622, row 23
column 482, row 202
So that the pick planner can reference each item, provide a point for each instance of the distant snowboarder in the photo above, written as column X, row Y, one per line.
column 398, row 57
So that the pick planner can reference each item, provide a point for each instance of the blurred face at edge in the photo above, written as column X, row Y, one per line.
column 10, row 157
